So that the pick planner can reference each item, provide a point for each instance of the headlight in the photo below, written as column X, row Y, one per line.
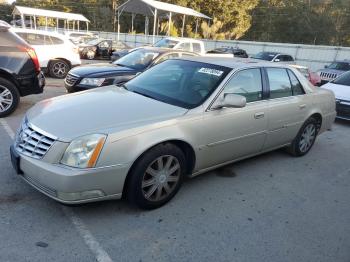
column 92, row 81
column 83, row 152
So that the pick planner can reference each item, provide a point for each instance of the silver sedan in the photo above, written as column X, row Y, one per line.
column 180, row 118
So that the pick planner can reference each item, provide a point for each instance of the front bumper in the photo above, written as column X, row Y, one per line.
column 71, row 185
column 343, row 109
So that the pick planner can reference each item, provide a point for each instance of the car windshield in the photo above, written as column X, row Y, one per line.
column 94, row 42
column 181, row 83
column 340, row 66
column 344, row 79
column 138, row 59
column 264, row 56
column 166, row 43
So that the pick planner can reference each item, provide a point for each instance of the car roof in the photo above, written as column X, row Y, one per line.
column 183, row 39
column 233, row 62
column 4, row 26
column 299, row 66
column 43, row 32
column 165, row 50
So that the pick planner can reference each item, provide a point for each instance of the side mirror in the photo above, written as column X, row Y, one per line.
column 326, row 66
column 277, row 60
column 231, row 101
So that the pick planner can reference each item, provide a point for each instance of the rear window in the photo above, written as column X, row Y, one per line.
column 8, row 38
column 344, row 79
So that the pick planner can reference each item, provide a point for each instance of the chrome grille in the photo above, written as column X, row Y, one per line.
column 326, row 75
column 71, row 79
column 31, row 142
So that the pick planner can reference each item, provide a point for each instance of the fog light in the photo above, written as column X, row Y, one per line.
column 80, row 195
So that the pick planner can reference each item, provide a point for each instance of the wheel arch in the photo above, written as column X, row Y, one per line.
column 8, row 76
column 318, row 117
column 183, row 145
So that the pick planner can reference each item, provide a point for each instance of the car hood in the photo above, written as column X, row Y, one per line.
column 104, row 110
column 97, row 70
column 341, row 91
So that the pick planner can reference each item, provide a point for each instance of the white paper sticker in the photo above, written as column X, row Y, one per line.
column 210, row 71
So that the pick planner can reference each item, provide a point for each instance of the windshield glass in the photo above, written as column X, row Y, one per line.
column 181, row 83
column 264, row 56
column 166, row 43
column 138, row 59
column 94, row 42
column 340, row 66
column 344, row 79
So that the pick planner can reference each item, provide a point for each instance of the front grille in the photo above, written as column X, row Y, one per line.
column 71, row 79
column 325, row 75
column 31, row 142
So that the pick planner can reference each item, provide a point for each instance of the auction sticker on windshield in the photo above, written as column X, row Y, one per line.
column 210, row 71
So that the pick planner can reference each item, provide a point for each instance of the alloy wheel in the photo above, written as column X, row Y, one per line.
column 307, row 138
column 60, row 69
column 90, row 54
column 160, row 178
column 6, row 99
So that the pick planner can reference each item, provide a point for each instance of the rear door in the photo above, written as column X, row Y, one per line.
column 287, row 106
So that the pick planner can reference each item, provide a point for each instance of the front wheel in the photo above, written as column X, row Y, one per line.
column 90, row 54
column 59, row 68
column 305, row 139
column 9, row 97
column 156, row 177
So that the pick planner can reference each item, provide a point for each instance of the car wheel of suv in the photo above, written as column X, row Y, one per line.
column 305, row 139
column 59, row 68
column 9, row 97
column 156, row 177
column 90, row 54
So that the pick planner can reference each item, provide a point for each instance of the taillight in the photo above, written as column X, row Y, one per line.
column 31, row 52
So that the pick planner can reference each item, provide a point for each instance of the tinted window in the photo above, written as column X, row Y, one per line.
column 340, row 66
column 33, row 39
column 196, row 47
column 104, row 44
column 166, row 43
column 264, row 56
column 246, row 83
column 185, row 46
column 344, row 79
column 297, row 88
column 181, row 83
column 279, row 82
column 138, row 59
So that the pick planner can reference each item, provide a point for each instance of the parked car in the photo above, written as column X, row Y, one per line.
column 79, row 37
column 186, row 44
column 120, row 71
column 274, row 57
column 341, row 88
column 313, row 77
column 20, row 73
column 333, row 70
column 100, row 48
column 56, row 53
column 230, row 51
column 177, row 119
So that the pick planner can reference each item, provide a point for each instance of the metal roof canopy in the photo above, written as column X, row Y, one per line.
column 156, row 9
column 34, row 12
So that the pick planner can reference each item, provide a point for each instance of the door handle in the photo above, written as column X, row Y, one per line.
column 303, row 106
column 259, row 115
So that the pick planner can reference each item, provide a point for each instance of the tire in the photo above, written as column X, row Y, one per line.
column 90, row 54
column 9, row 97
column 305, row 139
column 156, row 177
column 59, row 68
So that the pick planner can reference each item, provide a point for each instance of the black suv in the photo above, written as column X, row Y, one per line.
column 236, row 52
column 20, row 73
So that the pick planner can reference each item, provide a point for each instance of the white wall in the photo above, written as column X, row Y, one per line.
column 315, row 57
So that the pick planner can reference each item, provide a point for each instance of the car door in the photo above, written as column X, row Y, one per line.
column 232, row 133
column 287, row 105
column 103, row 48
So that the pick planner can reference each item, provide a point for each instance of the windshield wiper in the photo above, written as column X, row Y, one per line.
column 123, row 86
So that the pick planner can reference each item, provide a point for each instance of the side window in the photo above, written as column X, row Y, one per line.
column 246, row 83
column 196, row 47
column 33, row 39
column 289, row 58
column 103, row 44
column 168, row 56
column 297, row 88
column 185, row 46
column 279, row 82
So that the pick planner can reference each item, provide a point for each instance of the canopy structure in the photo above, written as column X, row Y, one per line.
column 156, row 9
column 34, row 13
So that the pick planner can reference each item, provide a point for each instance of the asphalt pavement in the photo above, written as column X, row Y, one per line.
column 269, row 208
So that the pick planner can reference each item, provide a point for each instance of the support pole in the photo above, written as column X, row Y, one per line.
column 22, row 21
column 46, row 23
column 87, row 26
column 14, row 20
column 118, row 29
column 183, row 25
column 132, row 23
column 35, row 22
column 57, row 24
column 78, row 26
column 154, row 25
column 196, row 28
column 31, row 23
column 169, row 27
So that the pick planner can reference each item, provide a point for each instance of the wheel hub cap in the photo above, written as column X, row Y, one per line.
column 6, row 99
column 307, row 138
column 160, row 178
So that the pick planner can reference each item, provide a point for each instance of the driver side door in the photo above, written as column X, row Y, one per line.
column 232, row 133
